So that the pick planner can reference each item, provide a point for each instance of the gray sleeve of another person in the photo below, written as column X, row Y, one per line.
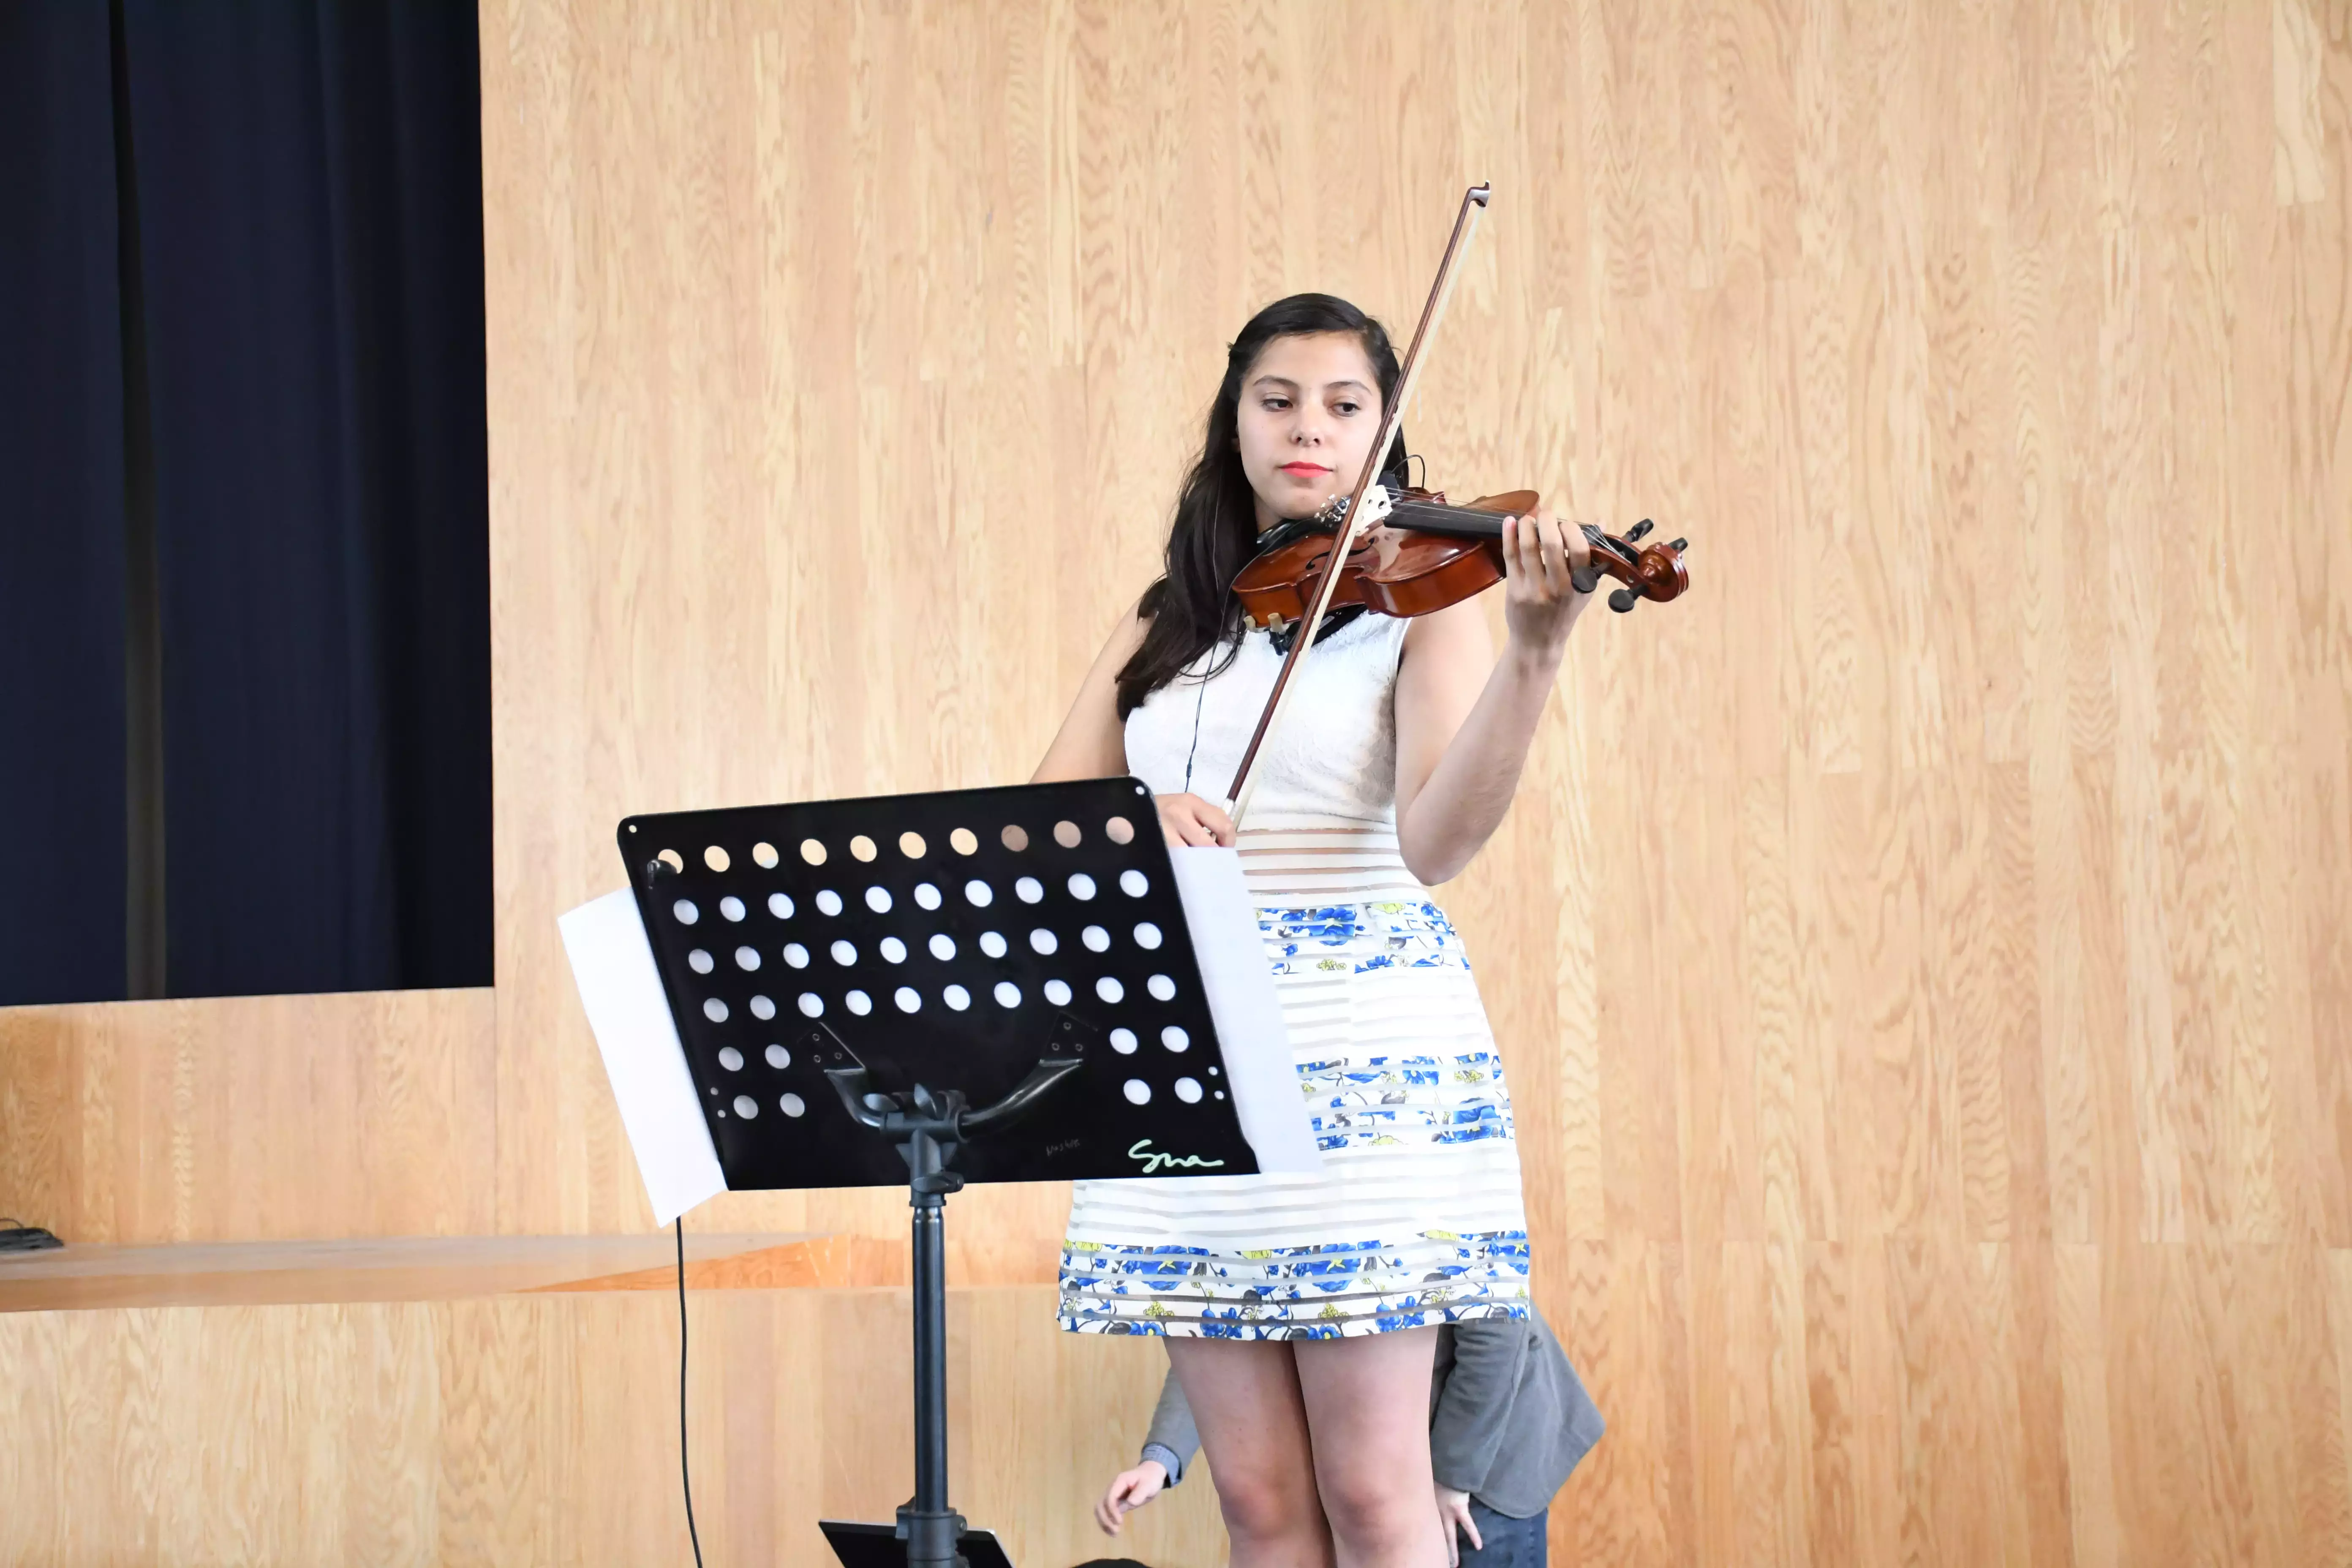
column 1172, row 1438
column 1513, row 1419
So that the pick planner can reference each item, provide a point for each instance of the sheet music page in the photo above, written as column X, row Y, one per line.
column 613, row 965
column 1241, row 999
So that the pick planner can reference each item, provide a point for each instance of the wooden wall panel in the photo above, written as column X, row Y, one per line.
column 545, row 1430
column 251, row 1118
column 1924, row 975
column 1922, row 955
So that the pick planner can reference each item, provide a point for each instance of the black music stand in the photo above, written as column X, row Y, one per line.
column 870, row 990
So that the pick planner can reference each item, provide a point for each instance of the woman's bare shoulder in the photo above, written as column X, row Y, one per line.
column 1128, row 633
column 1457, row 631
column 1091, row 742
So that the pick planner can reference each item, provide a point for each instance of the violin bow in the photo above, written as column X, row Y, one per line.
column 1352, row 523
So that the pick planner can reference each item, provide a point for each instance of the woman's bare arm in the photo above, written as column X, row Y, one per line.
column 1092, row 744
column 1464, row 720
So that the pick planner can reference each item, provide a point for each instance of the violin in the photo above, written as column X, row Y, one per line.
column 1416, row 553
column 1409, row 553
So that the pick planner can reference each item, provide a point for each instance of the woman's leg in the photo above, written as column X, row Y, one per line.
column 1368, row 1407
column 1244, row 1399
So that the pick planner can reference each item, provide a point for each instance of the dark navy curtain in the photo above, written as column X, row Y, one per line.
column 301, row 185
column 61, row 511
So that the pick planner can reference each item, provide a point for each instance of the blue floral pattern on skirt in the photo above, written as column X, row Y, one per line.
column 1403, row 1090
column 1294, row 1292
column 1414, row 935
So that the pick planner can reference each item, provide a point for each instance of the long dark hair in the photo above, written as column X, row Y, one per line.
column 1214, row 531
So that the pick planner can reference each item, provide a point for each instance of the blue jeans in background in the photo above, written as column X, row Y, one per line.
column 1510, row 1543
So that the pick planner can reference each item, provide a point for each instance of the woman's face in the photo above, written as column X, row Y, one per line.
column 1310, row 408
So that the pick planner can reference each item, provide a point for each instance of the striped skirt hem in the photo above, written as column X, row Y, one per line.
column 1308, row 1292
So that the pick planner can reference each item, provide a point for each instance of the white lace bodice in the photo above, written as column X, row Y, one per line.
column 1332, row 763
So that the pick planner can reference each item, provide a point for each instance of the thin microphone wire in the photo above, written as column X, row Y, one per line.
column 1197, row 700
column 685, row 1475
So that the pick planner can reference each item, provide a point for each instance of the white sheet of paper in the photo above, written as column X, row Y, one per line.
column 1224, row 923
column 613, row 965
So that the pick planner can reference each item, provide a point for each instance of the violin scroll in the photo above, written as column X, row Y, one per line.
column 1648, row 572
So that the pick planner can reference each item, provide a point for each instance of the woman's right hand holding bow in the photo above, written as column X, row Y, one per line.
column 1189, row 819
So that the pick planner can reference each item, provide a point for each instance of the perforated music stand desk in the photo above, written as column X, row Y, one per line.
column 871, row 990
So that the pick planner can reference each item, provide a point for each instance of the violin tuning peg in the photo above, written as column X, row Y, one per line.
column 1679, row 545
column 1634, row 535
column 1623, row 600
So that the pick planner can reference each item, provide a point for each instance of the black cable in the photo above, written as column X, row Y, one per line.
column 685, row 1475
column 1204, row 697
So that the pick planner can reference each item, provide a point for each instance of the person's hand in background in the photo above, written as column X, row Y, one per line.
column 1453, row 1513
column 1130, row 1489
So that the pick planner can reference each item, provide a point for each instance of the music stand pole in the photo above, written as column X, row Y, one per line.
column 933, row 1125
column 932, row 1527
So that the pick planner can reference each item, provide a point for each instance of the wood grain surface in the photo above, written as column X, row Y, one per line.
column 1922, row 955
column 433, row 1268
column 526, row 1429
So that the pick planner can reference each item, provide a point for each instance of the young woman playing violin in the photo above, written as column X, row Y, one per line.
column 1299, row 1311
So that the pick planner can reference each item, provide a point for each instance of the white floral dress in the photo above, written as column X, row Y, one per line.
column 1416, row 1218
